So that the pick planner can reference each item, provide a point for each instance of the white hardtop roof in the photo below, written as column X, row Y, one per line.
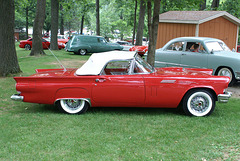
column 97, row 61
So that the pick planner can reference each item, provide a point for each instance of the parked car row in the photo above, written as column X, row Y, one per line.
column 189, row 52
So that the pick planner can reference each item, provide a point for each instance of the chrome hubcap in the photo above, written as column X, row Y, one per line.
column 199, row 104
column 225, row 72
column 72, row 105
column 82, row 52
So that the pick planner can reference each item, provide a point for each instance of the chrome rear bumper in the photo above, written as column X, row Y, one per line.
column 223, row 98
column 17, row 97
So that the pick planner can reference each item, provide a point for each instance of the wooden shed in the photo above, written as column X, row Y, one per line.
column 215, row 24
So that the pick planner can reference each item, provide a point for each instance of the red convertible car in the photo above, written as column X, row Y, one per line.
column 141, row 50
column 124, row 79
column 27, row 44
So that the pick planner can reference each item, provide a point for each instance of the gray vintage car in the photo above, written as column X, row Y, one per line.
column 200, row 52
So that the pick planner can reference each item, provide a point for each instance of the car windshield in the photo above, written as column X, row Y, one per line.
column 148, row 67
column 217, row 46
column 48, row 39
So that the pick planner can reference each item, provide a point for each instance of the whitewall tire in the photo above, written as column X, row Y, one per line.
column 73, row 106
column 198, row 103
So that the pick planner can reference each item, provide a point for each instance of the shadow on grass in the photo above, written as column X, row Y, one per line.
column 51, row 109
column 135, row 111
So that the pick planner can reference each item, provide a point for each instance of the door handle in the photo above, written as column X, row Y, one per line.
column 183, row 54
column 100, row 80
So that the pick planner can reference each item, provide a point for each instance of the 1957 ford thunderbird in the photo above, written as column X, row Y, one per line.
column 124, row 79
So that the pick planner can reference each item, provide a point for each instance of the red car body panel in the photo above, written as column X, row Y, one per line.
column 163, row 88
column 45, row 44
column 141, row 50
column 64, row 41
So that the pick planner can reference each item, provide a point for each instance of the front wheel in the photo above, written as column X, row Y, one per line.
column 73, row 106
column 198, row 103
column 27, row 47
column 227, row 72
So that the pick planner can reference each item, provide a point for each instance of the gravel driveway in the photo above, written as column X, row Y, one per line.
column 235, row 89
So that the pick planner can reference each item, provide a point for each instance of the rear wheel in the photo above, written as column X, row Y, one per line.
column 227, row 72
column 82, row 51
column 198, row 102
column 27, row 47
column 73, row 106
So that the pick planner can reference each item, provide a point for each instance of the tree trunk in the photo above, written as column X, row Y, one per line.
column 135, row 19
column 8, row 55
column 153, row 29
column 37, row 48
column 54, row 24
column 203, row 5
column 27, row 22
column 121, row 18
column 97, row 18
column 140, row 23
column 61, row 20
column 81, row 32
column 215, row 4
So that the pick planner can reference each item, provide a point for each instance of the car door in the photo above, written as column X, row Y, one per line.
column 103, row 45
column 194, row 59
column 115, row 87
column 169, row 56
column 45, row 44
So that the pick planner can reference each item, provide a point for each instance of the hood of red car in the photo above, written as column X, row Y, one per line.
column 54, row 72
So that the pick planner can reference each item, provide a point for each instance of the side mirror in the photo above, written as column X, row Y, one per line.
column 233, row 50
column 211, row 51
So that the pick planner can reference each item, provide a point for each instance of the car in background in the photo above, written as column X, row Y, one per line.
column 123, row 79
column 210, row 53
column 83, row 44
column 238, row 48
column 62, row 39
column 27, row 44
column 141, row 50
column 126, row 45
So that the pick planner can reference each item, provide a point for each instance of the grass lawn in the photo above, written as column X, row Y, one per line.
column 41, row 132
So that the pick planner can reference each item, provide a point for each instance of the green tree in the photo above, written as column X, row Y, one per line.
column 153, row 20
column 141, row 23
column 232, row 7
column 24, row 10
column 97, row 18
column 54, row 24
column 8, row 56
column 37, row 48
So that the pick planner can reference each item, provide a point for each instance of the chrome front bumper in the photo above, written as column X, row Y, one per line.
column 237, row 75
column 17, row 97
column 223, row 98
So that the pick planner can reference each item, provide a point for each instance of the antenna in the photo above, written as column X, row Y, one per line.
column 64, row 68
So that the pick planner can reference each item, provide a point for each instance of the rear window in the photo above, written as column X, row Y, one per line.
column 84, row 39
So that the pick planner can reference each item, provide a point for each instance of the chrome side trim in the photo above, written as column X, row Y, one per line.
column 168, row 81
column 17, row 97
column 223, row 98
column 178, row 65
column 84, row 99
